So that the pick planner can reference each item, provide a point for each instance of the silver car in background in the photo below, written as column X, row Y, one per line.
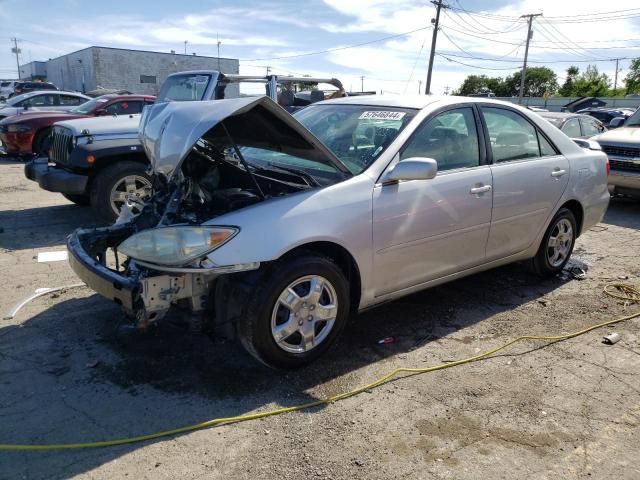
column 276, row 228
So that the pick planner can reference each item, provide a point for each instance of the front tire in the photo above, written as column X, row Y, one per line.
column 116, row 184
column 295, row 311
column 41, row 142
column 557, row 244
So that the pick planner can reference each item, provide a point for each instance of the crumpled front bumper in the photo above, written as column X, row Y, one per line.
column 87, row 253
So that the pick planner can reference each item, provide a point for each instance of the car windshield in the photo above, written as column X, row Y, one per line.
column 633, row 120
column 184, row 88
column 89, row 106
column 356, row 134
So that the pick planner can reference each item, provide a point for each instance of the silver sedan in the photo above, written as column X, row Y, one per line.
column 275, row 229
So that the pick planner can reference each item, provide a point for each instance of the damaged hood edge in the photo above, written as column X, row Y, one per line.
column 168, row 131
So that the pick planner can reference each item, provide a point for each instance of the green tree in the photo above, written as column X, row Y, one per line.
column 632, row 80
column 568, row 87
column 592, row 83
column 478, row 84
column 537, row 81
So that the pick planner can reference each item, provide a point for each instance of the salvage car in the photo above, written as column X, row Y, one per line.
column 275, row 228
column 622, row 146
column 28, row 134
column 42, row 100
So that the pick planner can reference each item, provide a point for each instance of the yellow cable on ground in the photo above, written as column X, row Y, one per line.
column 619, row 291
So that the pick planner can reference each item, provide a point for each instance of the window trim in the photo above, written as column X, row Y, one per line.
column 490, row 159
column 482, row 157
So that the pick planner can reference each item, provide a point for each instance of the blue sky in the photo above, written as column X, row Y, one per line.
column 258, row 32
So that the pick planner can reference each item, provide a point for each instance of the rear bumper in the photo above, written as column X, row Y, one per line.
column 624, row 182
column 86, row 247
column 55, row 179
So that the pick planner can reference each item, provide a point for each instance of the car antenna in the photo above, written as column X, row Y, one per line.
column 244, row 162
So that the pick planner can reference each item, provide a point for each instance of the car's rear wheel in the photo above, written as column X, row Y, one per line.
column 83, row 200
column 295, row 310
column 557, row 244
column 117, row 184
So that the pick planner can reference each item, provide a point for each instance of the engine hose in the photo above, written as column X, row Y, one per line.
column 616, row 290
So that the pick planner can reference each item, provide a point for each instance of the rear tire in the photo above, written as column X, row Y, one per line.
column 272, row 310
column 557, row 244
column 112, row 182
column 82, row 200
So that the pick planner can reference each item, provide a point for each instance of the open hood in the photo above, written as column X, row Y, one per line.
column 168, row 131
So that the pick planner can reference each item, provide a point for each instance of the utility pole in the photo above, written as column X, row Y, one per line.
column 362, row 83
column 268, row 70
column 615, row 82
column 526, row 53
column 218, row 42
column 185, row 47
column 419, row 87
column 435, row 22
column 446, row 90
column 16, row 50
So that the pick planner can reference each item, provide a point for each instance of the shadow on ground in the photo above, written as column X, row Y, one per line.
column 71, row 374
column 623, row 212
column 42, row 226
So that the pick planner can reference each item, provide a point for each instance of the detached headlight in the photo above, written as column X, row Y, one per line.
column 15, row 128
column 175, row 246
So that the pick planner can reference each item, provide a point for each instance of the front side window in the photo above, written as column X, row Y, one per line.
column 512, row 137
column 571, row 128
column 39, row 101
column 124, row 107
column 450, row 138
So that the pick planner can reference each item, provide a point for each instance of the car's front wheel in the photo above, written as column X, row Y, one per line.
column 296, row 310
column 557, row 244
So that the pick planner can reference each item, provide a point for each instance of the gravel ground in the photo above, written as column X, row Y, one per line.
column 71, row 370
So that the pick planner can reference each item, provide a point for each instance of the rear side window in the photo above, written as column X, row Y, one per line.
column 450, row 138
column 512, row 137
column 591, row 127
column 71, row 100
column 571, row 128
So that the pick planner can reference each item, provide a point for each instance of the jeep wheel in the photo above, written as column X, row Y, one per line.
column 295, row 310
column 41, row 142
column 117, row 184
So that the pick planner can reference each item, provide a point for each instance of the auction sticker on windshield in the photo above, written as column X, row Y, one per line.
column 382, row 115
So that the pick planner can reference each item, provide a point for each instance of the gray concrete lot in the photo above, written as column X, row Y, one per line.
column 70, row 371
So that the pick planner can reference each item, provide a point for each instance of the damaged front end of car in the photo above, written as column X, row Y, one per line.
column 158, row 258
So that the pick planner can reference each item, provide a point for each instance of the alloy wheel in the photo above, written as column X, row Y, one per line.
column 132, row 188
column 304, row 314
column 560, row 242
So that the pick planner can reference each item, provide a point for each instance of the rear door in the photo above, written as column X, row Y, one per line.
column 529, row 177
column 426, row 229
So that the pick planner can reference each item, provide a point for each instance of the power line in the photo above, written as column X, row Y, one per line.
column 472, row 56
column 415, row 63
column 475, row 66
column 328, row 50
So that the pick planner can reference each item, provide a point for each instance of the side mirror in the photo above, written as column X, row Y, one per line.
column 101, row 112
column 616, row 122
column 412, row 169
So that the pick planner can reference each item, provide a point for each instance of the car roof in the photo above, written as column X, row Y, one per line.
column 111, row 96
column 57, row 92
column 559, row 114
column 411, row 101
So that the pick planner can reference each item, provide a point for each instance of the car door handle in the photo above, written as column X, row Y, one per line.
column 482, row 189
column 558, row 173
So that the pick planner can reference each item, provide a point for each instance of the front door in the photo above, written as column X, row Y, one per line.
column 426, row 229
column 529, row 177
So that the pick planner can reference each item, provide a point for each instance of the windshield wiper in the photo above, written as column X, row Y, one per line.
column 310, row 179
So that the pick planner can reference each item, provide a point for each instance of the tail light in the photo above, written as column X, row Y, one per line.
column 608, row 167
column 17, row 89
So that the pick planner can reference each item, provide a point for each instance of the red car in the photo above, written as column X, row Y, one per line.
column 26, row 134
